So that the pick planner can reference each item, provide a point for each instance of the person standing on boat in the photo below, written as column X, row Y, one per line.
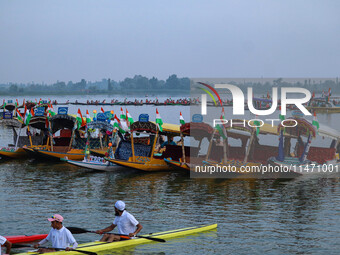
column 124, row 221
column 5, row 242
column 59, row 236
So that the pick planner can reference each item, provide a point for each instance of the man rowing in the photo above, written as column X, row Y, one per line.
column 59, row 236
column 126, row 223
column 5, row 242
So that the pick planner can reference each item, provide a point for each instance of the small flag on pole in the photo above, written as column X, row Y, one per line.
column 315, row 121
column 159, row 121
column 181, row 119
column 122, row 115
column 88, row 118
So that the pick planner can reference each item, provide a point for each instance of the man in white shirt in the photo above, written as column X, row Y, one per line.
column 127, row 225
column 59, row 236
column 5, row 242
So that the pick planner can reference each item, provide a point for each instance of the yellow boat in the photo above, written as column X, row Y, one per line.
column 103, row 246
column 11, row 152
column 60, row 146
column 61, row 152
column 140, row 153
column 99, row 152
column 18, row 151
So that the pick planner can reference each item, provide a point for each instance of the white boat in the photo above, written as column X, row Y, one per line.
column 100, row 165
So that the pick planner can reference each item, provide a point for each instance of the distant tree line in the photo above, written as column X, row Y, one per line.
column 141, row 84
column 137, row 83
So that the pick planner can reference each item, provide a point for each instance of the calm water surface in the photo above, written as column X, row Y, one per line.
column 299, row 216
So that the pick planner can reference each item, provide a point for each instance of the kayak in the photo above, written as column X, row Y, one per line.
column 102, row 246
column 25, row 239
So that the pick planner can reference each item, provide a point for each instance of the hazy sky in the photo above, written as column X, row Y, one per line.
column 49, row 40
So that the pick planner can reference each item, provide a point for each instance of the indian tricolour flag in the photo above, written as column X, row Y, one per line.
column 258, row 125
column 50, row 110
column 88, row 118
column 281, row 117
column 220, row 127
column 159, row 121
column 315, row 121
column 118, row 125
column 122, row 115
column 20, row 117
column 129, row 118
column 79, row 119
column 181, row 119
column 28, row 117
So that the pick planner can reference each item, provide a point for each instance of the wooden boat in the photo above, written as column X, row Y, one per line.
column 307, row 158
column 250, row 159
column 103, row 246
column 139, row 153
column 189, row 155
column 32, row 140
column 11, row 152
column 61, row 146
column 324, row 105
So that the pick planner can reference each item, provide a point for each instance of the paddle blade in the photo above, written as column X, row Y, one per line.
column 75, row 230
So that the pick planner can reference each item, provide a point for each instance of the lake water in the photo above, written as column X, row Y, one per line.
column 299, row 216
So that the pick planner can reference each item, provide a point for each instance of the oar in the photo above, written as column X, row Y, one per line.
column 75, row 230
column 32, row 246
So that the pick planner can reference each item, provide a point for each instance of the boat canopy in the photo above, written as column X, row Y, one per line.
column 198, row 130
column 60, row 121
column 38, row 122
column 303, row 128
column 100, row 125
column 151, row 127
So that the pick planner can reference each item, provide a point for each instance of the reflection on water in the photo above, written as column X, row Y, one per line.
column 296, row 216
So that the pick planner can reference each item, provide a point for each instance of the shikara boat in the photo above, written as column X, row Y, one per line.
column 324, row 105
column 35, row 138
column 306, row 158
column 62, row 136
column 248, row 159
column 140, row 152
column 190, row 155
column 110, row 139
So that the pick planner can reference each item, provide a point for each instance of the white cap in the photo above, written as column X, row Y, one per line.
column 120, row 205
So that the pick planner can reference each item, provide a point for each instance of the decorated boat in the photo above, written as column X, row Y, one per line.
column 65, row 138
column 138, row 149
column 108, row 140
column 306, row 158
column 249, row 158
column 35, row 136
column 190, row 156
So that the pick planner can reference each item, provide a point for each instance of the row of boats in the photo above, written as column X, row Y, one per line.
column 323, row 103
column 104, row 144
